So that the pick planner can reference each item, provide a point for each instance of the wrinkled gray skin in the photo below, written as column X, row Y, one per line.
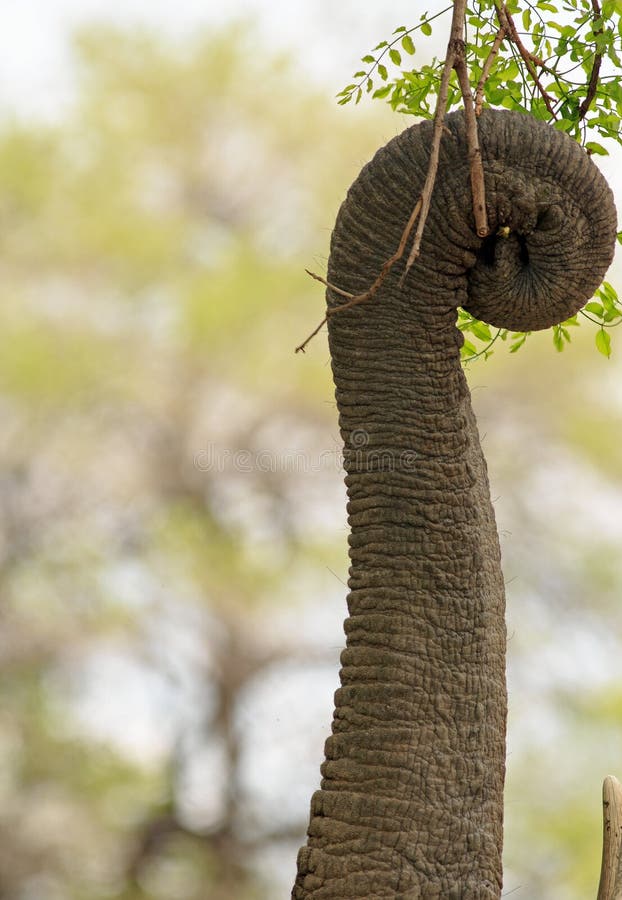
column 411, row 800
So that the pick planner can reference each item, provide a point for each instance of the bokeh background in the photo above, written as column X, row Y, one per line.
column 172, row 517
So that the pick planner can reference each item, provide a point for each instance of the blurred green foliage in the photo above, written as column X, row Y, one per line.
column 152, row 291
column 172, row 525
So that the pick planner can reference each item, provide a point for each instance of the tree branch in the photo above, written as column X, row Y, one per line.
column 455, row 59
column 366, row 295
column 527, row 55
column 531, row 61
column 594, row 74
column 478, row 190
column 610, row 886
column 490, row 59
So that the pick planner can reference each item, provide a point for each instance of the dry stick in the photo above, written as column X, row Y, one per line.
column 475, row 154
column 479, row 92
column 593, row 82
column 610, row 886
column 331, row 286
column 505, row 20
column 455, row 43
column 387, row 266
column 301, row 347
column 455, row 53
column 524, row 52
column 360, row 298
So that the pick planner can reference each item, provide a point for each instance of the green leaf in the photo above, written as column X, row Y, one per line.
column 594, row 147
column 426, row 28
column 603, row 342
column 407, row 44
column 511, row 71
column 480, row 330
column 607, row 295
column 396, row 96
column 468, row 349
column 564, row 124
column 383, row 92
column 571, row 322
column 400, row 29
column 518, row 343
column 527, row 19
column 382, row 71
column 368, row 59
column 595, row 308
column 395, row 56
column 619, row 237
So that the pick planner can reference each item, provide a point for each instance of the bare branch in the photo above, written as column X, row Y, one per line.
column 594, row 74
column 355, row 299
column 328, row 284
column 475, row 154
column 455, row 37
column 490, row 59
column 455, row 59
column 531, row 61
column 610, row 886
column 527, row 55
column 301, row 347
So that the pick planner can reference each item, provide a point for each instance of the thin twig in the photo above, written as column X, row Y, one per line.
column 483, row 352
column 531, row 61
column 328, row 284
column 301, row 347
column 494, row 50
column 515, row 37
column 387, row 49
column 455, row 39
column 593, row 82
column 355, row 299
column 455, row 59
column 388, row 265
column 478, row 190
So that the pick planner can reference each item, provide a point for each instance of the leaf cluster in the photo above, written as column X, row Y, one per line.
column 561, row 65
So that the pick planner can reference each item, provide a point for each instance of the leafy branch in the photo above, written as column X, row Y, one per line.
column 355, row 91
column 549, row 67
column 455, row 61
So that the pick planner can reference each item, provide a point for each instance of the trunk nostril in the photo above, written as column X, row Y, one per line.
column 486, row 253
column 523, row 252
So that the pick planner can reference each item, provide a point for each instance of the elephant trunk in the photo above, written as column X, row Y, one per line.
column 411, row 801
